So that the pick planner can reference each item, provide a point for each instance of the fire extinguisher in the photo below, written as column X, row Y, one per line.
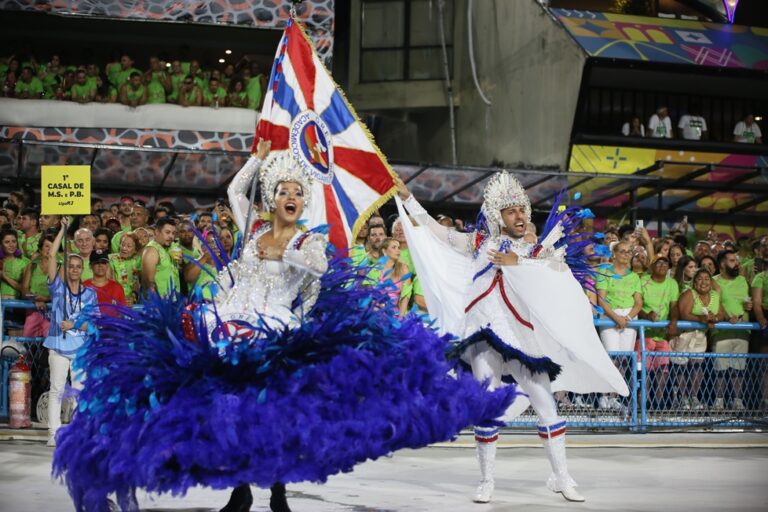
column 20, row 377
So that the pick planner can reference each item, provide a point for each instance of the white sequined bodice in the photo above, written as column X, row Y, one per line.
column 262, row 288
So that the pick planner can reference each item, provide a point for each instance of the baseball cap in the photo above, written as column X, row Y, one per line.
column 99, row 256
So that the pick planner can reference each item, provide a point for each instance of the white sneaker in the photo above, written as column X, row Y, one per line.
column 719, row 406
column 603, row 402
column 738, row 404
column 571, row 494
column 484, row 491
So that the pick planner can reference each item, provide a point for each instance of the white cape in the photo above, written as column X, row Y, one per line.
column 555, row 302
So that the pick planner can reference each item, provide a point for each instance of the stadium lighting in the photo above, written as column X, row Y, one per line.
column 228, row 52
column 758, row 118
column 167, row 64
column 221, row 61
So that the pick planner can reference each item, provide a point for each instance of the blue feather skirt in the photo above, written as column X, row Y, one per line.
column 164, row 409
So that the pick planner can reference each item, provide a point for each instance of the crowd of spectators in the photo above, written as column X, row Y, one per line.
column 666, row 278
column 690, row 126
column 127, row 248
column 183, row 83
column 663, row 279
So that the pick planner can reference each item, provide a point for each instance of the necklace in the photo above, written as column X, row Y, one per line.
column 73, row 300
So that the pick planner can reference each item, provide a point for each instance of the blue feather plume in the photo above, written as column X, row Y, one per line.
column 165, row 409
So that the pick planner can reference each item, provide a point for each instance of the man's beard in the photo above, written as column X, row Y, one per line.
column 732, row 271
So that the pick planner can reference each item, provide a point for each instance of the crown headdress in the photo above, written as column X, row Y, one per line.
column 502, row 191
column 278, row 168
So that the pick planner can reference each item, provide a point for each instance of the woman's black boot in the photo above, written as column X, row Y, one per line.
column 278, row 502
column 241, row 499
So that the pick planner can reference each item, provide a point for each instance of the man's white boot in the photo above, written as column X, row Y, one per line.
column 485, row 439
column 554, row 444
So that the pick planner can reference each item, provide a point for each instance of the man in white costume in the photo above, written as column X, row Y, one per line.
column 519, row 312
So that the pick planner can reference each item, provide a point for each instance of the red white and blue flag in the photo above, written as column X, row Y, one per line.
column 305, row 113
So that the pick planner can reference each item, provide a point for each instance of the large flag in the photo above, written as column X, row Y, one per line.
column 306, row 113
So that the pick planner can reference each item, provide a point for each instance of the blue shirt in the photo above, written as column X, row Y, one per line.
column 66, row 305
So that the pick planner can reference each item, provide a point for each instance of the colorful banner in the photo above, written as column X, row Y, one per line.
column 617, row 36
column 677, row 165
column 65, row 189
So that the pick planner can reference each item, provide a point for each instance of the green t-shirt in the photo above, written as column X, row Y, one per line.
column 38, row 280
column 620, row 290
column 190, row 96
column 193, row 253
column 34, row 87
column 208, row 96
column 698, row 306
column 82, row 92
column 125, row 271
column 29, row 245
column 112, row 70
column 155, row 93
column 122, row 76
column 13, row 268
column 414, row 287
column 238, row 99
column 132, row 94
column 658, row 297
column 87, row 272
column 205, row 281
column 374, row 274
column 732, row 295
column 253, row 90
column 166, row 273
column 761, row 281
column 175, row 86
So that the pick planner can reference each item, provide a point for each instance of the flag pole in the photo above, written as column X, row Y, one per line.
column 249, row 217
column 66, row 281
column 294, row 3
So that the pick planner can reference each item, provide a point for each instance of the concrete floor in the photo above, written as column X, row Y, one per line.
column 441, row 479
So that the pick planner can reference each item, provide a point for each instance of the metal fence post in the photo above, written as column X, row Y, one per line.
column 634, row 426
column 643, row 382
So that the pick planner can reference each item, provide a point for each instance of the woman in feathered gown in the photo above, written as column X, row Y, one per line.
column 294, row 372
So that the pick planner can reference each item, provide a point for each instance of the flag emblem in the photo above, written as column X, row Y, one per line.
column 310, row 146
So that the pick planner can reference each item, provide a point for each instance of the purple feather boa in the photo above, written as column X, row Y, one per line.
column 164, row 414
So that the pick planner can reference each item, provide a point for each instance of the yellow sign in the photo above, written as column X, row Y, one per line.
column 610, row 159
column 65, row 189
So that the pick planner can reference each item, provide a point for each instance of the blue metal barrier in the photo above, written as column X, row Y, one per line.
column 668, row 407
column 11, row 346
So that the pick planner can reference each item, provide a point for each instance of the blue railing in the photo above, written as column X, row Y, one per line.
column 667, row 408
column 637, row 412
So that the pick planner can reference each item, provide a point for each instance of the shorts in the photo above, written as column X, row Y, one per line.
column 653, row 363
column 732, row 346
column 689, row 341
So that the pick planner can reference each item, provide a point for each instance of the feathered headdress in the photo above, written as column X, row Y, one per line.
column 280, row 167
column 502, row 191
